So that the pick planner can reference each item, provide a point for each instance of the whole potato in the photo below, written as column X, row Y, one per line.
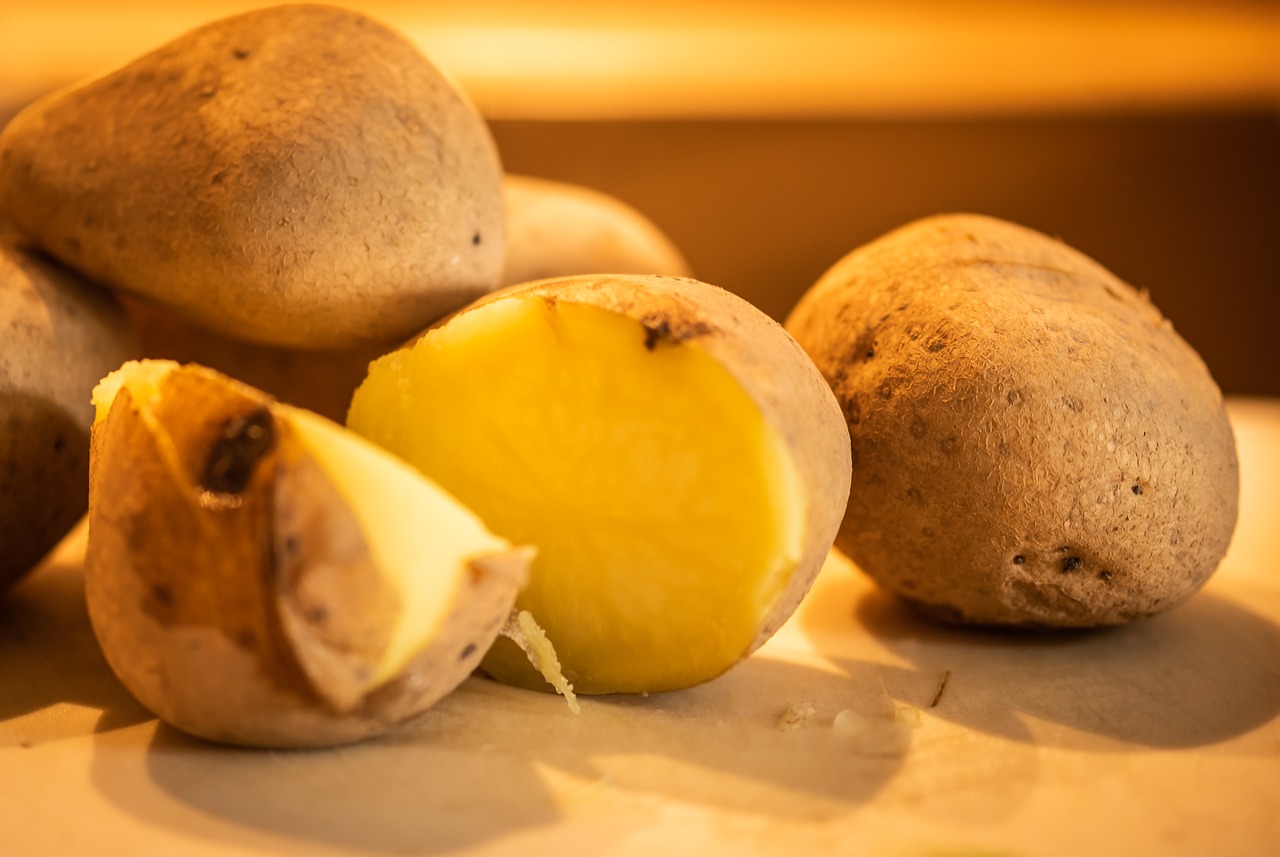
column 60, row 335
column 557, row 229
column 1033, row 443
column 297, row 176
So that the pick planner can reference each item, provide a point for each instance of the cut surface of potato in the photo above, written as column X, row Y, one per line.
column 258, row 575
column 668, row 510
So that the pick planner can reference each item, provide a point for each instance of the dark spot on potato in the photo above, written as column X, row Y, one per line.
column 913, row 494
column 1019, row 559
column 317, row 614
column 291, row 545
column 918, row 429
column 935, row 344
column 467, row 651
column 475, row 240
column 885, row 390
column 59, row 443
column 1175, row 537
column 659, row 330
column 240, row 53
column 218, row 177
column 1064, row 549
column 245, row 638
column 1104, row 575
column 1013, row 397
column 1071, row 563
column 927, row 532
column 243, row 441
column 1137, row 489
column 1073, row 404
column 949, row 444
column 871, row 352
column 852, row 411
column 162, row 594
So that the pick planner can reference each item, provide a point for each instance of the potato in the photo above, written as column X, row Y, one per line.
column 60, row 335
column 672, row 453
column 258, row 575
column 297, row 176
column 556, row 229
column 1033, row 444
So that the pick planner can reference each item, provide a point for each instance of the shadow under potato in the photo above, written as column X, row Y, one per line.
column 1203, row 673
column 480, row 764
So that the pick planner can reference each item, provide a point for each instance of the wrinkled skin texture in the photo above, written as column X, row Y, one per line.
column 1033, row 444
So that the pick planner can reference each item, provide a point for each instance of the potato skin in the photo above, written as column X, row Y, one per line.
column 243, row 616
column 1033, row 443
column 771, row 368
column 297, row 176
column 557, row 229
column 59, row 336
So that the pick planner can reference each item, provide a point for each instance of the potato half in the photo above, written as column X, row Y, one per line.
column 674, row 455
column 58, row 336
column 299, row 176
column 258, row 575
column 1033, row 443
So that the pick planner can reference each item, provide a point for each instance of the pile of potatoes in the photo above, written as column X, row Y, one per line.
column 991, row 425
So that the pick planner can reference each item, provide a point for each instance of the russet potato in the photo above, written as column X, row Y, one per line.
column 1033, row 444
column 297, row 176
column 675, row 457
column 58, row 336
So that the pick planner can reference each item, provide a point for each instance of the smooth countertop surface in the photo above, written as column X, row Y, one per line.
column 1159, row 738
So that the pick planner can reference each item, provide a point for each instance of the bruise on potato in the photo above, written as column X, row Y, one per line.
column 1033, row 443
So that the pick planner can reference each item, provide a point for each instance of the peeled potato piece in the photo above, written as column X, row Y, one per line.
column 678, row 461
column 258, row 575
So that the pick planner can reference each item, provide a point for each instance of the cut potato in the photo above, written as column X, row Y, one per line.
column 672, row 453
column 258, row 575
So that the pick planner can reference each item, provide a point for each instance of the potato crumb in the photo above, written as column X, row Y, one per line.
column 907, row 715
column 795, row 716
column 525, row 632
column 848, row 723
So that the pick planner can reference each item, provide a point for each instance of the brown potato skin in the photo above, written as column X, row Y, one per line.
column 1033, row 444
column 58, row 336
column 557, row 229
column 771, row 368
column 248, row 619
column 298, row 176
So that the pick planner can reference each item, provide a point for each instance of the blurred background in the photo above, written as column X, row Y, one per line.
column 771, row 138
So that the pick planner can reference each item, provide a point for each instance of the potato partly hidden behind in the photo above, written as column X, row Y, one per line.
column 557, row 229
column 258, row 575
column 1033, row 444
column 674, row 455
column 59, row 336
column 297, row 176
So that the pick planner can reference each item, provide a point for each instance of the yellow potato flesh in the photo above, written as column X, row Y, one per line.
column 666, row 511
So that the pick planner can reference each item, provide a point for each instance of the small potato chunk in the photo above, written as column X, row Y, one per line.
column 298, row 176
column 58, row 336
column 258, row 575
column 557, row 229
column 673, row 454
column 1033, row 444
